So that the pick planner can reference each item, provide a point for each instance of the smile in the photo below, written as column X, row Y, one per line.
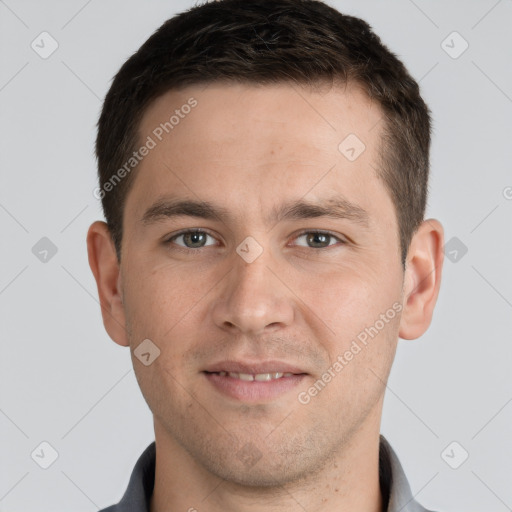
column 261, row 377
column 253, row 387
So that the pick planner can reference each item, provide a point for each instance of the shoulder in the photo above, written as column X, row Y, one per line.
column 395, row 487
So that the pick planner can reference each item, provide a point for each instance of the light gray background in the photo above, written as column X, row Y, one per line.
column 65, row 382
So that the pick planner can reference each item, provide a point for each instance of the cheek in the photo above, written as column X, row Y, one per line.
column 164, row 306
column 361, row 309
column 164, row 388
column 160, row 300
column 347, row 294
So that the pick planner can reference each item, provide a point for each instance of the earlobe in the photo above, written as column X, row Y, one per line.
column 104, row 266
column 422, row 279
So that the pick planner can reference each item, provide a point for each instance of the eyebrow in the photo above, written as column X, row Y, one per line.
column 335, row 207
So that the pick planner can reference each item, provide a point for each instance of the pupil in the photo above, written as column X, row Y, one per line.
column 195, row 237
column 314, row 237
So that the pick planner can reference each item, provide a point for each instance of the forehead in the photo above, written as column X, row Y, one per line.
column 249, row 145
column 278, row 113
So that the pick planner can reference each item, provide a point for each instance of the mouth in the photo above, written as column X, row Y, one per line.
column 249, row 377
column 253, row 382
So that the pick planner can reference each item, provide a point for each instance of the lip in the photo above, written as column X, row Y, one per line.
column 253, row 391
column 254, row 367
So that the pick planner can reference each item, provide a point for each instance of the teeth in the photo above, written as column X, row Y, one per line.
column 241, row 376
column 258, row 376
column 268, row 376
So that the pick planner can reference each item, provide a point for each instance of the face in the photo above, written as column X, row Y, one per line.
column 256, row 285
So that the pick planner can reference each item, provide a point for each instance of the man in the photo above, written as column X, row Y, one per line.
column 263, row 171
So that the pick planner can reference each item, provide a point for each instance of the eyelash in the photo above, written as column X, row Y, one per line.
column 200, row 249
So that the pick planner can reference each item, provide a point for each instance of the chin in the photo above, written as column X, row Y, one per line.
column 260, row 475
column 264, row 466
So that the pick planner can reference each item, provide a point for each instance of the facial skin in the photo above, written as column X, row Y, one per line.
column 302, row 301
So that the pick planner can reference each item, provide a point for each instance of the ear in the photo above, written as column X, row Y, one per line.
column 422, row 279
column 104, row 266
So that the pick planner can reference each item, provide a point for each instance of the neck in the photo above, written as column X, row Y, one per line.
column 350, row 481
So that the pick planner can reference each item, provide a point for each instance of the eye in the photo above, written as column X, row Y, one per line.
column 192, row 239
column 318, row 239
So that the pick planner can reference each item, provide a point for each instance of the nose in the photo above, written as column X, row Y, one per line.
column 253, row 299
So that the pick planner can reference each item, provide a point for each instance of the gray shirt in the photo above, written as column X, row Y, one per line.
column 395, row 489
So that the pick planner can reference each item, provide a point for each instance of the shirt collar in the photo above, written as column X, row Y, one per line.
column 396, row 492
column 393, row 482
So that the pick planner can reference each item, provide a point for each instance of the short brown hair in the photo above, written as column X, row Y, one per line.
column 263, row 42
